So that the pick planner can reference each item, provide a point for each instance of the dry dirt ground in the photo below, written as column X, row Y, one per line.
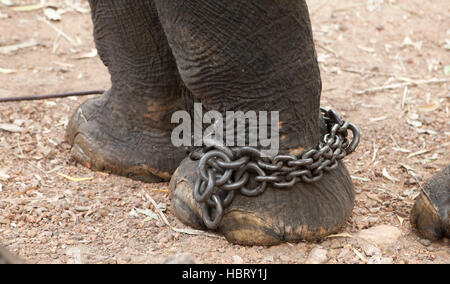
column 399, row 47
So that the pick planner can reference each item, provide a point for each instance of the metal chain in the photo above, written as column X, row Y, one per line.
column 223, row 171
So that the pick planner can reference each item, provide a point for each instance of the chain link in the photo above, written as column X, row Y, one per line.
column 223, row 171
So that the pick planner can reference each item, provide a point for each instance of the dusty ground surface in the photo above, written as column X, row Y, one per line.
column 48, row 218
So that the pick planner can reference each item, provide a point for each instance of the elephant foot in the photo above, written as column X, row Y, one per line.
column 112, row 135
column 306, row 211
column 430, row 214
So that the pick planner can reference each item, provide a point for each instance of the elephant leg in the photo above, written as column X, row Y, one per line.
column 127, row 130
column 430, row 214
column 259, row 55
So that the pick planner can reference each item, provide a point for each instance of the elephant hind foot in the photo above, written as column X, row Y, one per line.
column 7, row 257
column 303, row 212
column 430, row 214
column 117, row 137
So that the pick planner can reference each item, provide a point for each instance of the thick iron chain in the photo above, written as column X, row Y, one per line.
column 222, row 171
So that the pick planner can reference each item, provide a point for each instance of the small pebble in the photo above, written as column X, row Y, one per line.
column 237, row 259
column 317, row 255
column 425, row 242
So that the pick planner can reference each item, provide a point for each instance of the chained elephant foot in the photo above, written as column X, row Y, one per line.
column 110, row 135
column 303, row 212
column 430, row 214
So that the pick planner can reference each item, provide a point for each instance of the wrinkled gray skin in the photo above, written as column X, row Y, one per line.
column 164, row 55
column 230, row 55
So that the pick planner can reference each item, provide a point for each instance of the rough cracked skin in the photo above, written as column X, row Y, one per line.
column 106, row 136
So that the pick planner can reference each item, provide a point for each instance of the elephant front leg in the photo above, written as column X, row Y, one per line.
column 127, row 130
column 257, row 55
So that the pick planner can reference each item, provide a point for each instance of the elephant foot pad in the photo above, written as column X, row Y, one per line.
column 430, row 214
